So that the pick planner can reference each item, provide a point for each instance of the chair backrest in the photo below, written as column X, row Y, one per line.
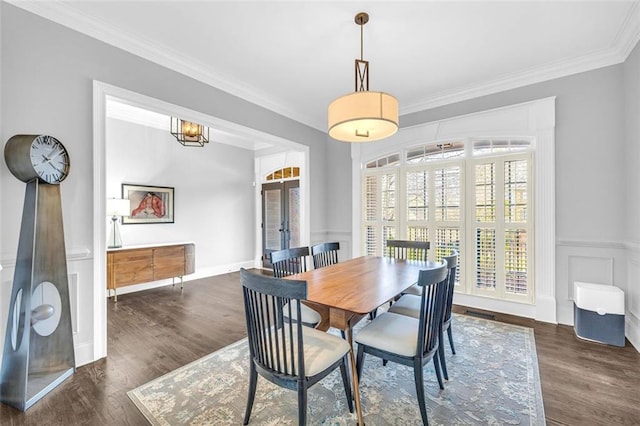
column 434, row 284
column 452, row 266
column 405, row 249
column 289, row 261
column 325, row 254
column 276, row 346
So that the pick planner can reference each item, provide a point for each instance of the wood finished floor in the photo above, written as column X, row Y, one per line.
column 156, row 331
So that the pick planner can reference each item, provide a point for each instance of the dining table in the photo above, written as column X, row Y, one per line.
column 347, row 291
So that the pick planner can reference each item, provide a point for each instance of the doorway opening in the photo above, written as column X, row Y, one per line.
column 235, row 137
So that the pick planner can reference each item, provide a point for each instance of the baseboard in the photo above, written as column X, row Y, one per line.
column 632, row 330
column 84, row 353
column 200, row 273
column 495, row 305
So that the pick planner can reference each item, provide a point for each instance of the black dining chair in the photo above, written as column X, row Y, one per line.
column 411, row 250
column 289, row 262
column 285, row 353
column 325, row 254
column 406, row 340
column 407, row 250
column 409, row 305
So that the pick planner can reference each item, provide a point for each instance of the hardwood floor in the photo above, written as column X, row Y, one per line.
column 156, row 331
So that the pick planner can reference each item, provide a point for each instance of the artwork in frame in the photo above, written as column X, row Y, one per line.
column 148, row 204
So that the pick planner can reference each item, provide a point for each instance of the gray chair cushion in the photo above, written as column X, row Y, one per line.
column 408, row 305
column 414, row 289
column 391, row 332
column 309, row 316
column 320, row 350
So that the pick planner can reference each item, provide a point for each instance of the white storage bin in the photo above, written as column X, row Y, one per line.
column 598, row 313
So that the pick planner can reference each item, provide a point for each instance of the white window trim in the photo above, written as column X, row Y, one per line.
column 535, row 119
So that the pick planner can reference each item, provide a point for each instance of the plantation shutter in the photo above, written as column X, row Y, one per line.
column 501, row 225
column 380, row 210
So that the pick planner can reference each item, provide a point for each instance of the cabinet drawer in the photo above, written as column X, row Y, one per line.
column 133, row 272
column 131, row 256
column 168, row 262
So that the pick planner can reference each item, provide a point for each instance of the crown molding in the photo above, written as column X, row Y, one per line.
column 67, row 16
column 558, row 69
column 629, row 34
column 624, row 42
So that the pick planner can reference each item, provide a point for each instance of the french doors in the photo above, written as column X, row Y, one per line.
column 280, row 217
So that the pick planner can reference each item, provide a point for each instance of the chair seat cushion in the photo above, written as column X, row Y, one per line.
column 321, row 350
column 408, row 305
column 391, row 332
column 309, row 316
column 414, row 289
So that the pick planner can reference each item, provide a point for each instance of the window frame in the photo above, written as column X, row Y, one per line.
column 467, row 246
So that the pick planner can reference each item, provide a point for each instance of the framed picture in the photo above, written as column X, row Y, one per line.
column 148, row 204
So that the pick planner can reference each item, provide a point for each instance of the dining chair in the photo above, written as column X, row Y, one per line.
column 293, row 261
column 409, row 305
column 407, row 340
column 285, row 353
column 412, row 250
column 405, row 249
column 325, row 254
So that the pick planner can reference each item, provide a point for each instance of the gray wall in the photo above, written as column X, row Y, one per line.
column 589, row 147
column 47, row 72
column 632, row 190
column 632, row 143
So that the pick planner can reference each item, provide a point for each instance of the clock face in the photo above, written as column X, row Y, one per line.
column 49, row 158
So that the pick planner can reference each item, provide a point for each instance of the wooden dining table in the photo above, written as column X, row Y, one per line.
column 347, row 291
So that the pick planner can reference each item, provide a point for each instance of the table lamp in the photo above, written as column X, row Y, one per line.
column 116, row 208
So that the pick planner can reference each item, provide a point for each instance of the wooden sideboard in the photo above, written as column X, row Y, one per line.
column 141, row 264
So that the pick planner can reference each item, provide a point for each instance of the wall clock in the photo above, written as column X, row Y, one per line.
column 38, row 349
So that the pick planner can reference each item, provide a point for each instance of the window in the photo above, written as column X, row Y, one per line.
column 471, row 195
column 380, row 210
column 286, row 173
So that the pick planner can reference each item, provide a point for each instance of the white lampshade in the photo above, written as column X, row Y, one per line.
column 363, row 117
column 117, row 207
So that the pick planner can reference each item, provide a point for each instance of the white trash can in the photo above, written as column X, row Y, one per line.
column 598, row 313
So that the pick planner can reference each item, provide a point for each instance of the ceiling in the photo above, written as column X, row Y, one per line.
column 295, row 57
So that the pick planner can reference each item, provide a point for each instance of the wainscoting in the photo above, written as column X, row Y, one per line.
column 343, row 237
column 80, row 273
column 602, row 262
column 611, row 263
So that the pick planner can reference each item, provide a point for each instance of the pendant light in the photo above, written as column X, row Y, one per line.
column 363, row 116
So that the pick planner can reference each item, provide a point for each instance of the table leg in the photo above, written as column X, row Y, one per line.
column 354, row 374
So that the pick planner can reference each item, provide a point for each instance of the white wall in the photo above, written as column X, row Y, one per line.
column 47, row 74
column 213, row 193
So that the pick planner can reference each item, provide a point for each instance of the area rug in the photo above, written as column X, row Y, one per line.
column 493, row 380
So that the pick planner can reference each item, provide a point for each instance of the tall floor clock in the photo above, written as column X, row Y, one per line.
column 38, row 349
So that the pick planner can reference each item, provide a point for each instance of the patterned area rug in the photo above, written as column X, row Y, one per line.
column 493, row 380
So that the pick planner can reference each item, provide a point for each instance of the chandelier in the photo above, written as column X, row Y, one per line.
column 188, row 133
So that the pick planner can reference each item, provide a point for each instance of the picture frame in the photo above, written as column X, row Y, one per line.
column 148, row 204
